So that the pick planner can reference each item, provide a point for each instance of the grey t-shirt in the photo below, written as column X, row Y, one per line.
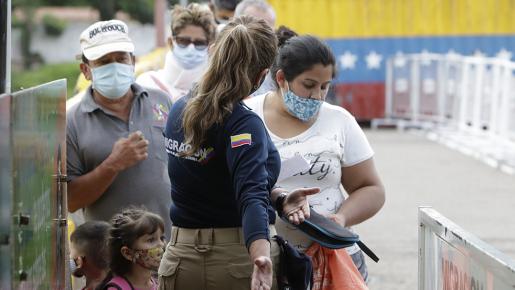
column 91, row 132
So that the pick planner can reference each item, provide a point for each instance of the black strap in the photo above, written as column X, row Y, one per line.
column 112, row 285
column 116, row 286
column 282, row 279
column 128, row 282
column 368, row 251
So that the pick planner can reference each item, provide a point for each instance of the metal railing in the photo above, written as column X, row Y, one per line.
column 467, row 103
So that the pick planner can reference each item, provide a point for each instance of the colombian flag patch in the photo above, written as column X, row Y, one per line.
column 240, row 140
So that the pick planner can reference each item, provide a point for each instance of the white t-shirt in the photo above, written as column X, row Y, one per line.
column 335, row 140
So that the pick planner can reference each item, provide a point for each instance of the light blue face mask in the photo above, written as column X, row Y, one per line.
column 303, row 109
column 113, row 80
column 189, row 57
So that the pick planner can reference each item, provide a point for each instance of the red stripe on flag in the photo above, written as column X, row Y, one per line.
column 240, row 143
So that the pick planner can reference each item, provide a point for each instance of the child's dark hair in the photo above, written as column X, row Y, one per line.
column 90, row 238
column 299, row 54
column 226, row 4
column 283, row 33
column 126, row 227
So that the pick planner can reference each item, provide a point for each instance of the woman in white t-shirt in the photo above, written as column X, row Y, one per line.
column 300, row 122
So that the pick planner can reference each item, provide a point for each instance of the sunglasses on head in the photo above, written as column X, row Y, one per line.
column 184, row 42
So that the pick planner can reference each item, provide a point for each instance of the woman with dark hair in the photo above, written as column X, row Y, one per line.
column 283, row 33
column 223, row 168
column 301, row 123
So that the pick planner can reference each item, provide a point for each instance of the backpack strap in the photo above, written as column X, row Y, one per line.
column 112, row 285
column 160, row 84
column 119, row 283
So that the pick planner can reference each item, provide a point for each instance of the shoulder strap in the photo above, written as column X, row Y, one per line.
column 112, row 285
column 159, row 83
column 368, row 251
column 119, row 283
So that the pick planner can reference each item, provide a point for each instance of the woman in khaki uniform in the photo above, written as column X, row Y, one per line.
column 223, row 167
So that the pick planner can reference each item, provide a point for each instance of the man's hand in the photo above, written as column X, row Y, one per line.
column 128, row 151
column 262, row 275
column 296, row 206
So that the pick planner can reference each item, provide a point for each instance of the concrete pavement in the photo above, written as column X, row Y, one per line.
column 419, row 172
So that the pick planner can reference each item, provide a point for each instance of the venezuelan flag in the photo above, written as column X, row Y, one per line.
column 364, row 34
column 240, row 140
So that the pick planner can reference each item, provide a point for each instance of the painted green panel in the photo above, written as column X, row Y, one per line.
column 38, row 144
column 5, row 192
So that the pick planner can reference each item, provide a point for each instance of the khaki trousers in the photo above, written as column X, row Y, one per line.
column 210, row 259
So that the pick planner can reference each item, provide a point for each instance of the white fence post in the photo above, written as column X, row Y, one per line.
column 467, row 103
column 415, row 89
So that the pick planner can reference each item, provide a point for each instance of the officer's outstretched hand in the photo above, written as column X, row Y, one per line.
column 128, row 151
column 296, row 206
column 262, row 275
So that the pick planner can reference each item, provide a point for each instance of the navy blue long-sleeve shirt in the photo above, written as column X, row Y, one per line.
column 227, row 182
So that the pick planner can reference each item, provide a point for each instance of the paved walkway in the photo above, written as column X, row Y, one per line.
column 418, row 172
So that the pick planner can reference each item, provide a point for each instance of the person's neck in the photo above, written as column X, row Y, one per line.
column 171, row 69
column 140, row 277
column 177, row 76
column 95, row 279
column 275, row 112
column 120, row 107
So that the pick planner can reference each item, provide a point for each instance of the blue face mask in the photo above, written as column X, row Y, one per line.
column 303, row 109
column 113, row 80
column 189, row 57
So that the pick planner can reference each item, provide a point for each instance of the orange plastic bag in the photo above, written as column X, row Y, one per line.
column 334, row 270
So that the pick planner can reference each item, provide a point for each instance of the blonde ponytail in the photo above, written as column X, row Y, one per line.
column 244, row 48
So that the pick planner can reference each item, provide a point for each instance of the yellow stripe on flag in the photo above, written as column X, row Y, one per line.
column 240, row 137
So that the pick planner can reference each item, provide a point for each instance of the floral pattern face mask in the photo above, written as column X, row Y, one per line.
column 149, row 258
column 303, row 109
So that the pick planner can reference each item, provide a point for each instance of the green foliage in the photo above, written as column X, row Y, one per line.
column 106, row 8
column 46, row 73
column 25, row 3
column 16, row 22
column 53, row 25
column 65, row 2
column 141, row 10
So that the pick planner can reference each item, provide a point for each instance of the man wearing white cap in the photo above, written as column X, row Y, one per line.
column 115, row 146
